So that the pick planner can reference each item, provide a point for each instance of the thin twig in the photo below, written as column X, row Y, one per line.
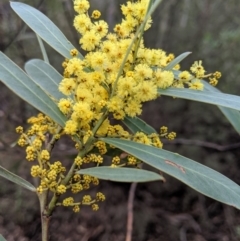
column 130, row 211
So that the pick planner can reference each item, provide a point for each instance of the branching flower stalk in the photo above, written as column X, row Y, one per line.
column 116, row 76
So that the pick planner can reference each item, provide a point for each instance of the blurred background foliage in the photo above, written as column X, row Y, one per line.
column 210, row 30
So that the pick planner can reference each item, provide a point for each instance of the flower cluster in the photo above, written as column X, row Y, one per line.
column 153, row 139
column 113, row 80
column 103, row 81
column 52, row 175
column 118, row 74
column 193, row 79
column 86, row 200
column 34, row 139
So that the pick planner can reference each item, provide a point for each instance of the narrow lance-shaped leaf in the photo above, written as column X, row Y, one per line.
column 233, row 116
column 176, row 61
column 195, row 175
column 136, row 124
column 121, row 174
column 44, row 27
column 16, row 179
column 20, row 83
column 45, row 76
column 215, row 98
column 2, row 238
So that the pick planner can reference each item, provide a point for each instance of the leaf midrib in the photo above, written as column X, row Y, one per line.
column 160, row 157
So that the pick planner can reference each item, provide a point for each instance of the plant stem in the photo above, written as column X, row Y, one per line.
column 52, row 205
column 45, row 219
column 87, row 147
column 82, row 153
column 50, row 144
column 130, row 211
column 45, row 227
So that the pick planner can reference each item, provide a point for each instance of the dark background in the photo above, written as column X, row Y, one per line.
column 166, row 212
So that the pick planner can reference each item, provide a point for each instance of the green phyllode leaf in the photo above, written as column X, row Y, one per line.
column 136, row 124
column 201, row 178
column 44, row 27
column 216, row 98
column 2, row 238
column 122, row 174
column 233, row 116
column 16, row 179
column 20, row 83
column 176, row 61
column 45, row 76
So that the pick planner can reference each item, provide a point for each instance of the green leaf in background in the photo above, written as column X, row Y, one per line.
column 16, row 80
column 2, row 238
column 44, row 28
column 136, row 124
column 45, row 76
column 233, row 116
column 16, row 179
column 215, row 98
column 201, row 178
column 122, row 174
column 176, row 61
